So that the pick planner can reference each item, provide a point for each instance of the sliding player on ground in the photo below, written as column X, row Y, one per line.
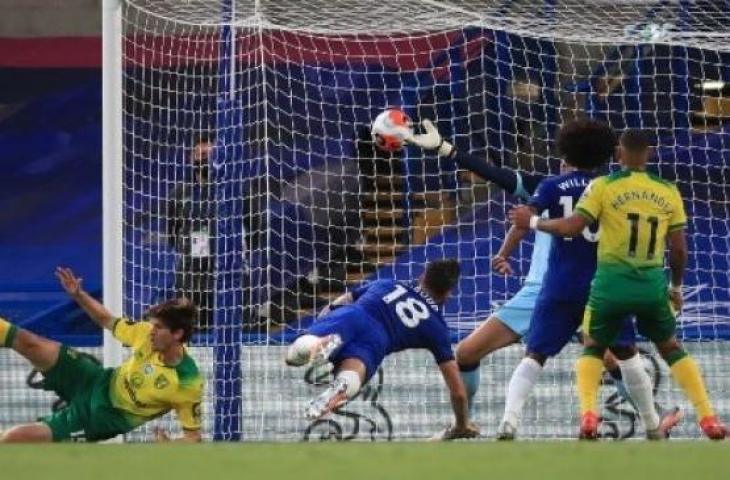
column 158, row 377
column 374, row 320
column 638, row 212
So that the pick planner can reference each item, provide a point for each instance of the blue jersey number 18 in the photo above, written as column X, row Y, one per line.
column 410, row 311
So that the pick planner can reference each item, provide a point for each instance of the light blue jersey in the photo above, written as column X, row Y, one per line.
column 539, row 260
column 517, row 312
column 543, row 241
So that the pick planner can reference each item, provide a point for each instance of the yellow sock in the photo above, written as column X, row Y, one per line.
column 588, row 374
column 7, row 333
column 687, row 374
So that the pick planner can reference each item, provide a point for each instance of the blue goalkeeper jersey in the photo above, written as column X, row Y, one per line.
column 410, row 317
column 571, row 262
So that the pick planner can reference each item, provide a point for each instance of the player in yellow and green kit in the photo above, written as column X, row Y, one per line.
column 102, row 403
column 637, row 211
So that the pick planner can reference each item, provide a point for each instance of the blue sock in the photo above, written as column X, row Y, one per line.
column 470, row 377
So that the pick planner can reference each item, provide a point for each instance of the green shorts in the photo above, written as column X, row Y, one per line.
column 84, row 385
column 620, row 291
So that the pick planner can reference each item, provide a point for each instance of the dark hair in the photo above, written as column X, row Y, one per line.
column 441, row 276
column 203, row 137
column 176, row 314
column 635, row 140
column 586, row 144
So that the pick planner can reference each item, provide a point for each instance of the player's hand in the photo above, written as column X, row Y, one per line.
column 431, row 140
column 501, row 265
column 520, row 216
column 70, row 282
column 161, row 435
column 675, row 296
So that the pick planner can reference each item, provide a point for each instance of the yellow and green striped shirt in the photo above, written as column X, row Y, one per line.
column 636, row 210
column 145, row 388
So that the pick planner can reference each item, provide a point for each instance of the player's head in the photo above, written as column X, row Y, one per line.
column 172, row 323
column 440, row 278
column 634, row 149
column 586, row 144
column 202, row 146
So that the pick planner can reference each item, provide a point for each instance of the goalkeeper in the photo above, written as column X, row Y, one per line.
column 637, row 211
column 158, row 377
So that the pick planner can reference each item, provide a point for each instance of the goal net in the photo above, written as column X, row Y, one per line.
column 251, row 184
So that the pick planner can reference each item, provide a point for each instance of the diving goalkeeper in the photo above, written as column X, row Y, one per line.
column 102, row 403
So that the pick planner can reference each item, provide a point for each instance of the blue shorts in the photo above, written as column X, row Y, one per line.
column 363, row 337
column 516, row 314
column 555, row 322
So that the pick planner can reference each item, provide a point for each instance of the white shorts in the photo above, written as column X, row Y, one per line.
column 516, row 314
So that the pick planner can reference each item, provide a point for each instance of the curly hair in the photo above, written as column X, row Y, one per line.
column 586, row 144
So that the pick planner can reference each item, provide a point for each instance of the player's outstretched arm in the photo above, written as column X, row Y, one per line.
column 519, row 184
column 72, row 284
column 524, row 217
column 459, row 403
column 500, row 262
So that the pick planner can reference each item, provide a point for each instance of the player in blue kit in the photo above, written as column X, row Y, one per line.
column 377, row 319
column 586, row 145
column 509, row 323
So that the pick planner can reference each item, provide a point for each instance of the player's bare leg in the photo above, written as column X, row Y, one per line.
column 43, row 354
column 687, row 374
column 39, row 351
column 347, row 382
column 29, row 433
column 490, row 336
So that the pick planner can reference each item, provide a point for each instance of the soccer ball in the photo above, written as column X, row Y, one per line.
column 390, row 129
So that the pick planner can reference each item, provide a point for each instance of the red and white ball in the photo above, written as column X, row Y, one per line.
column 390, row 129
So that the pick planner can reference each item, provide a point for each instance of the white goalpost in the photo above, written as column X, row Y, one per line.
column 291, row 205
column 112, row 188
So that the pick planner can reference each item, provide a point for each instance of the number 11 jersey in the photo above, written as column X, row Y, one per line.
column 636, row 210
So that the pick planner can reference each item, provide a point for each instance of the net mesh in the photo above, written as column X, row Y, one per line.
column 296, row 205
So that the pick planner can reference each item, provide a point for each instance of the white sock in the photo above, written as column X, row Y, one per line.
column 520, row 385
column 639, row 386
column 299, row 352
column 352, row 380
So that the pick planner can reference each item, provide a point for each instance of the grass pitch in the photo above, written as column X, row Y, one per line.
column 355, row 461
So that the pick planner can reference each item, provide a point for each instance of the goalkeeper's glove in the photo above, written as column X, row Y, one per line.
column 431, row 140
